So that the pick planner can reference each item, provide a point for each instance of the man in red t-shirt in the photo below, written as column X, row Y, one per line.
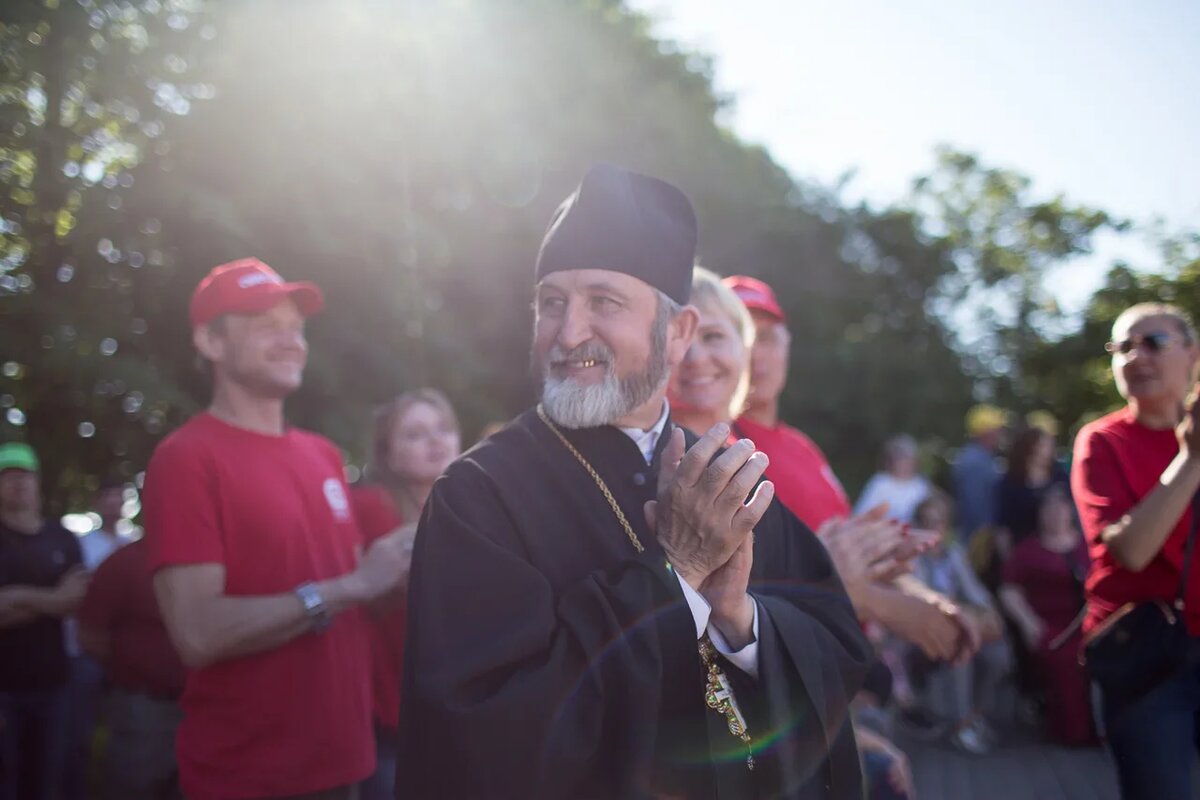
column 806, row 484
column 255, row 549
column 804, row 481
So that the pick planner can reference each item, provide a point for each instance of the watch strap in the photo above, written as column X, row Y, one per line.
column 314, row 606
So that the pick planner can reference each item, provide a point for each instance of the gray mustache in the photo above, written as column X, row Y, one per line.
column 588, row 350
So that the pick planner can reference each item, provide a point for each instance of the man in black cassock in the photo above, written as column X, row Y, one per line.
column 594, row 613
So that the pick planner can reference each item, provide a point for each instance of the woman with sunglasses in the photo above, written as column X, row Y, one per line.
column 1134, row 476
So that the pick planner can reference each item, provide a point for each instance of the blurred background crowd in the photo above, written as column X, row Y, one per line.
column 405, row 156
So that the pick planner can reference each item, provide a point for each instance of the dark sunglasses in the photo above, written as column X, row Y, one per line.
column 1153, row 342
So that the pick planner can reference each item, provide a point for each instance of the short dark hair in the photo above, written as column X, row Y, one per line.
column 936, row 497
column 1022, row 450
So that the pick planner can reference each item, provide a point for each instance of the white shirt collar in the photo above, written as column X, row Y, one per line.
column 647, row 440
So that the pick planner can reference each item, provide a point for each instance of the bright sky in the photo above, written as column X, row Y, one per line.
column 1096, row 99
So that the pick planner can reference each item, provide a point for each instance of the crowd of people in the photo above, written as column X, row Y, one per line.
column 648, row 585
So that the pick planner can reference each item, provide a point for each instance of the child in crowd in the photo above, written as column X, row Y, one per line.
column 957, row 694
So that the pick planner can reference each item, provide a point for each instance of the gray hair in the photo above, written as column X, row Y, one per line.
column 668, row 310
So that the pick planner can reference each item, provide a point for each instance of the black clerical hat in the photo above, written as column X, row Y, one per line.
column 625, row 222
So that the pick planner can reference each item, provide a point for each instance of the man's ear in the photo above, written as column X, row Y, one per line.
column 785, row 336
column 208, row 343
column 680, row 332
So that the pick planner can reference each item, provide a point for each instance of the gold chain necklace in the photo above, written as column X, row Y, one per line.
column 718, row 691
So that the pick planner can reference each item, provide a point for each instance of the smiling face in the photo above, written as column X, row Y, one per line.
column 713, row 372
column 603, row 345
column 1148, row 376
column 264, row 353
column 423, row 442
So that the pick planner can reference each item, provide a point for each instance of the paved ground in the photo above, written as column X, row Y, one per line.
column 1022, row 769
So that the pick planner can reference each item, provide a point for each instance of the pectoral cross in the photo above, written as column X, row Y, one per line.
column 718, row 694
column 720, row 698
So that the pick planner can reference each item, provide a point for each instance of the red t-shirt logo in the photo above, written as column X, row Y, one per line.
column 336, row 496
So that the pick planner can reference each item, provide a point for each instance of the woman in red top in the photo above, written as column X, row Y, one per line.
column 1042, row 591
column 709, row 387
column 415, row 438
column 1135, row 473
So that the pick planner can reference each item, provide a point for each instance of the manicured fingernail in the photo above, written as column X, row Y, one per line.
column 722, row 429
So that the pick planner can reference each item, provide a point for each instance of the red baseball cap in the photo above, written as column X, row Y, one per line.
column 755, row 294
column 248, row 286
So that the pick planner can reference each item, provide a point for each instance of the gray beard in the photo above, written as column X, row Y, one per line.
column 572, row 405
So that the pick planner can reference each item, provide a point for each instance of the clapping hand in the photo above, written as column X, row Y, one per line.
column 704, row 519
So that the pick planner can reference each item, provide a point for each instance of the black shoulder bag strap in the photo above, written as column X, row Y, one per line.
column 1188, row 550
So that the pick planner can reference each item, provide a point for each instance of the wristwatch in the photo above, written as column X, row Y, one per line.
column 314, row 606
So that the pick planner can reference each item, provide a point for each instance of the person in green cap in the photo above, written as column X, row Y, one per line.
column 41, row 582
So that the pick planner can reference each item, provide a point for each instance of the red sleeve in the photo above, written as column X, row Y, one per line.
column 375, row 512
column 103, row 599
column 180, row 502
column 335, row 457
column 1102, row 495
column 841, row 499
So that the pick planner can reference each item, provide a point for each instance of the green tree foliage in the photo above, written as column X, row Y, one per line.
column 1072, row 376
column 869, row 359
column 406, row 156
column 1003, row 241
column 88, row 92
column 416, row 177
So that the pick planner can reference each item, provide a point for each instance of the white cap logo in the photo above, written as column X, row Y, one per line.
column 257, row 279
